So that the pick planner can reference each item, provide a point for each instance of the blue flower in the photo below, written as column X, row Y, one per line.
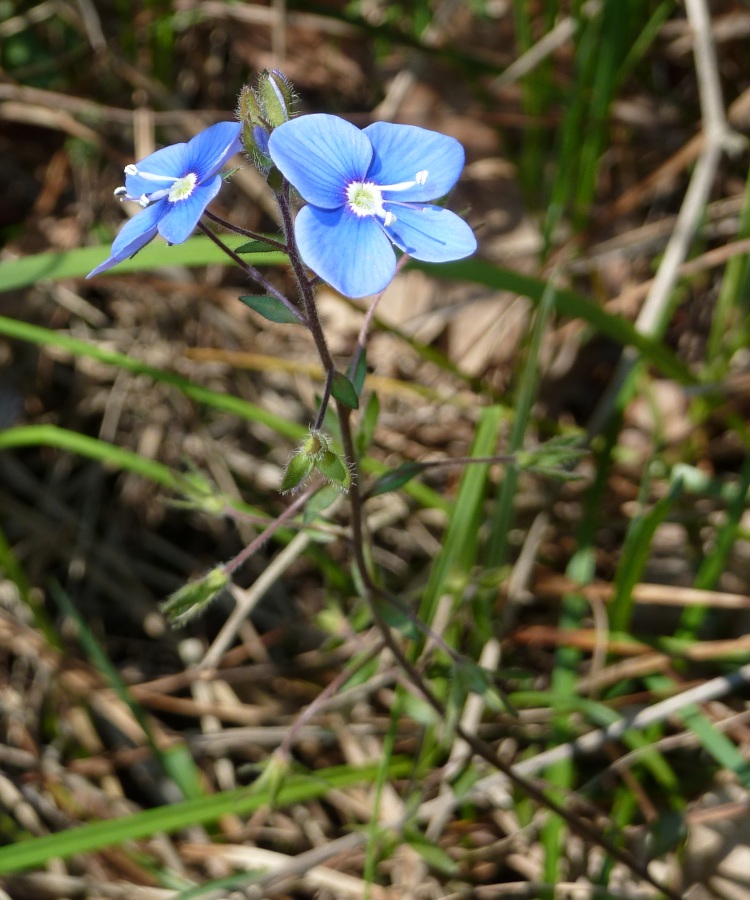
column 174, row 186
column 366, row 190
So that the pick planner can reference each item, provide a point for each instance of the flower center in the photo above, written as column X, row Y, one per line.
column 175, row 188
column 365, row 198
column 183, row 187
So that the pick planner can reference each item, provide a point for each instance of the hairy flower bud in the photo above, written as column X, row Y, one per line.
column 262, row 108
column 276, row 96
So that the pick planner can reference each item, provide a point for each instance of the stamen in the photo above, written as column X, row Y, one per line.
column 420, row 178
column 132, row 169
column 389, row 219
column 121, row 192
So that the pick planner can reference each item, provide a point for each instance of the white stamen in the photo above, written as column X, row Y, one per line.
column 132, row 169
column 121, row 192
column 420, row 178
column 389, row 219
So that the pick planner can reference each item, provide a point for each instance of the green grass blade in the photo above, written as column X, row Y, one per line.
column 197, row 251
column 635, row 554
column 460, row 542
column 527, row 388
column 175, row 762
column 93, row 448
column 242, row 408
column 96, row 835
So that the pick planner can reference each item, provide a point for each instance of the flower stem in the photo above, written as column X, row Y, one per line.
column 308, row 299
column 253, row 273
column 231, row 567
column 245, row 232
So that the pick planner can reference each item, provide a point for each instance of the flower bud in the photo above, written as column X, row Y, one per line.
column 276, row 97
column 261, row 109
column 192, row 598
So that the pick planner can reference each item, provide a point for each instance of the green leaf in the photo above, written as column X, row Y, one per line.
column 400, row 620
column 358, row 374
column 253, row 247
column 343, row 390
column 368, row 424
column 395, row 479
column 431, row 853
column 320, row 502
column 272, row 309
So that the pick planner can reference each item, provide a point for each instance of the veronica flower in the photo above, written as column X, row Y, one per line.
column 174, row 186
column 367, row 190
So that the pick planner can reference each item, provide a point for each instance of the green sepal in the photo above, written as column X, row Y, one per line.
column 297, row 470
column 343, row 391
column 271, row 308
column 333, row 468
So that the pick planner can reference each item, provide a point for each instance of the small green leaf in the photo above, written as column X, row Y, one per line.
column 368, row 424
column 320, row 502
column 400, row 620
column 431, row 853
column 343, row 390
column 395, row 479
column 272, row 309
column 358, row 374
column 254, row 247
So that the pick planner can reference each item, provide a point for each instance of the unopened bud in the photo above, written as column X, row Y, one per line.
column 276, row 97
column 192, row 598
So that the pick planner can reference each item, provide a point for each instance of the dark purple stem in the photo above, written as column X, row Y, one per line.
column 230, row 226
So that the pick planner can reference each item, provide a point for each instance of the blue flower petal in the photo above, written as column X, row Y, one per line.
column 351, row 253
column 320, row 155
column 169, row 162
column 181, row 216
column 431, row 233
column 208, row 151
column 133, row 235
column 403, row 150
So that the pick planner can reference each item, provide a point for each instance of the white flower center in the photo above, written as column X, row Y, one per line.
column 365, row 198
column 179, row 188
column 183, row 187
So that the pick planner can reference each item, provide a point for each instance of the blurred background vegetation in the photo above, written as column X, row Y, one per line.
column 146, row 417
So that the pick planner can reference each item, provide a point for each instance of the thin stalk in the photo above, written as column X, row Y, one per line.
column 245, row 232
column 253, row 273
column 231, row 567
